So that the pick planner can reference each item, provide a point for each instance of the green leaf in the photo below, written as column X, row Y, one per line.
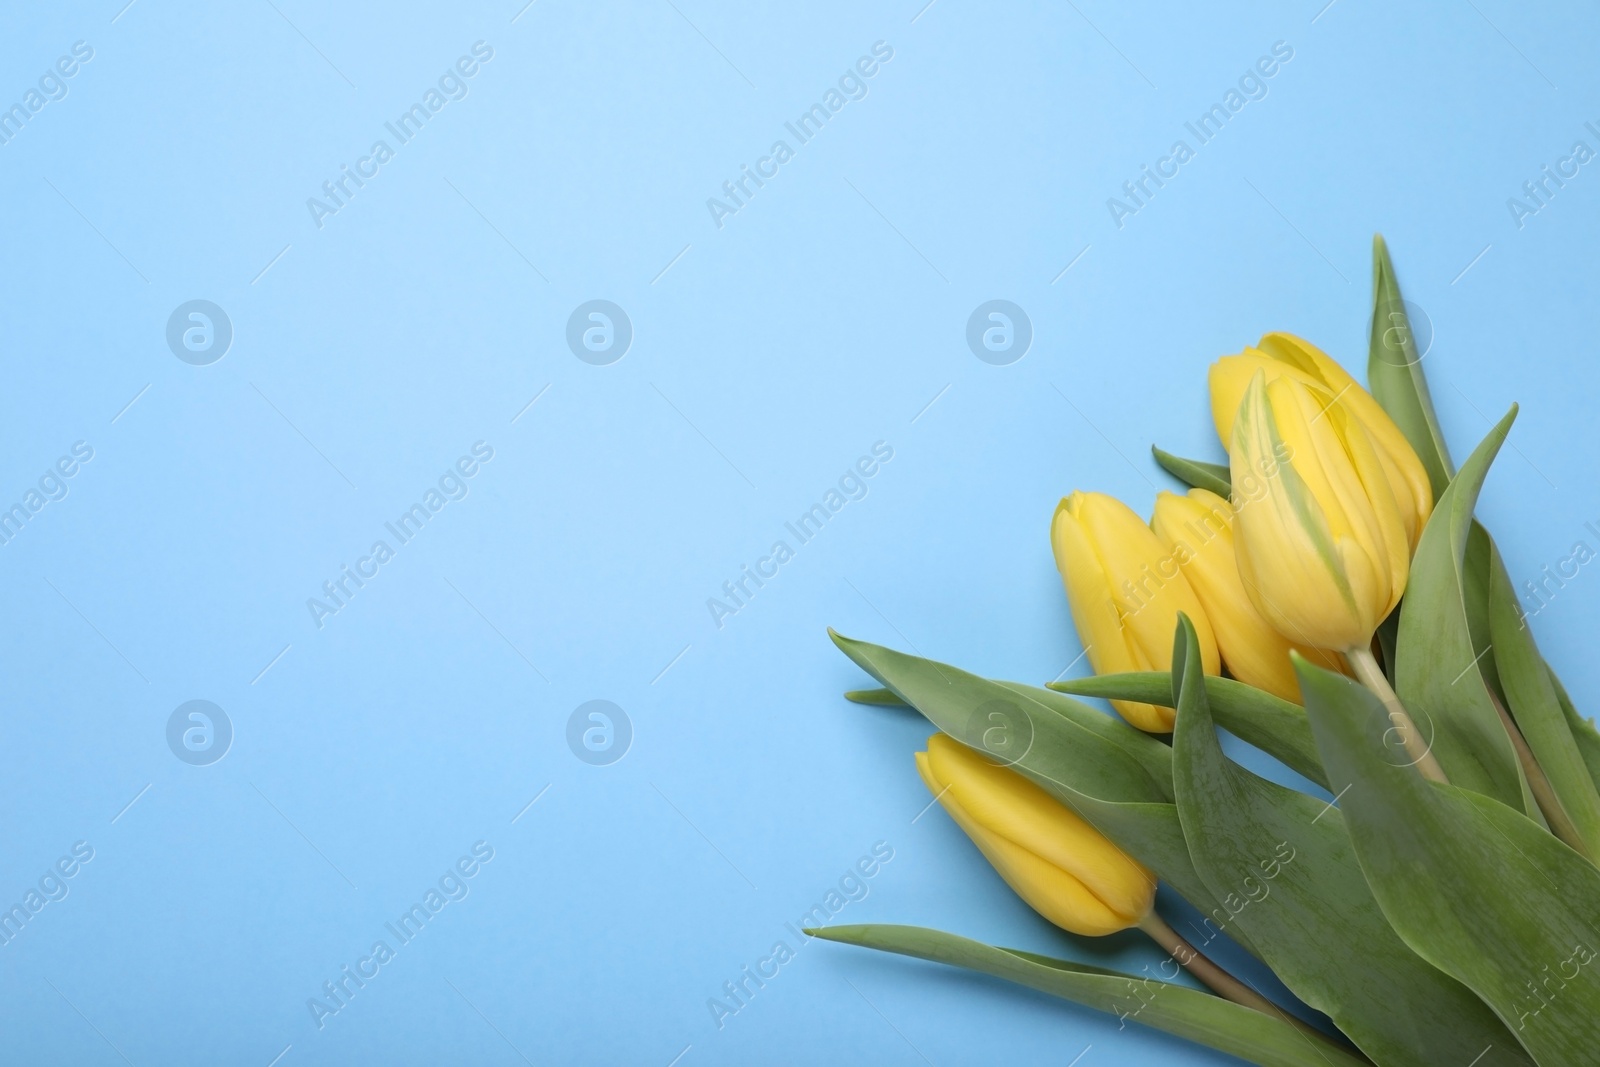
column 1150, row 752
column 1039, row 732
column 1438, row 670
column 880, row 697
column 1539, row 715
column 1195, row 474
column 1180, row 1010
column 1473, row 887
column 1476, row 574
column 1394, row 372
column 1117, row 778
column 1284, row 860
column 1584, row 734
column 1274, row 725
column 1388, row 636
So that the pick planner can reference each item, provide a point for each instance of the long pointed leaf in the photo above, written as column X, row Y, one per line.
column 1034, row 730
column 1472, row 886
column 1180, row 1010
column 1438, row 673
column 1115, row 777
column 1394, row 371
column 1195, row 473
column 1274, row 725
column 1584, row 734
column 1477, row 576
column 1287, row 859
column 1538, row 712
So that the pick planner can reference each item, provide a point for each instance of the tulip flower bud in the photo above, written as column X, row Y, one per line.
column 1064, row 868
column 1126, row 591
column 1323, row 552
column 1284, row 355
column 1198, row 530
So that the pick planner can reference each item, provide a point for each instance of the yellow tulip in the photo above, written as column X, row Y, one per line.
column 1198, row 530
column 1064, row 868
column 1126, row 591
column 1284, row 355
column 1323, row 551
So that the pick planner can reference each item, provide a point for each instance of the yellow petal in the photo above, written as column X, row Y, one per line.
column 1056, row 861
column 1413, row 492
column 1391, row 538
column 1096, row 613
column 1324, row 460
column 1295, row 541
column 1149, row 583
column 1285, row 355
column 1227, row 380
column 1199, row 529
column 1050, row 891
column 1125, row 591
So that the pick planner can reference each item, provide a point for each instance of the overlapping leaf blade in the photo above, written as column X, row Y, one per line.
column 1472, row 886
column 1179, row 1010
column 1195, row 473
column 1539, row 716
column 1394, row 371
column 1438, row 672
column 1308, row 910
column 1584, row 734
column 1274, row 725
column 1396, row 377
column 1115, row 777
column 1477, row 569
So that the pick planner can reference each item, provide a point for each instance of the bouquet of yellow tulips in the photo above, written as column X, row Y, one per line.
column 1328, row 597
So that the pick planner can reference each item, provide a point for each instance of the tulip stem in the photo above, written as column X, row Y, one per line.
column 1371, row 675
column 1539, row 784
column 1218, row 980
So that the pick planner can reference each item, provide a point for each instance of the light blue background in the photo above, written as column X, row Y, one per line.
column 823, row 317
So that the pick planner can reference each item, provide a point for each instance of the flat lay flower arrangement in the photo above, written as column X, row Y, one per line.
column 1329, row 598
